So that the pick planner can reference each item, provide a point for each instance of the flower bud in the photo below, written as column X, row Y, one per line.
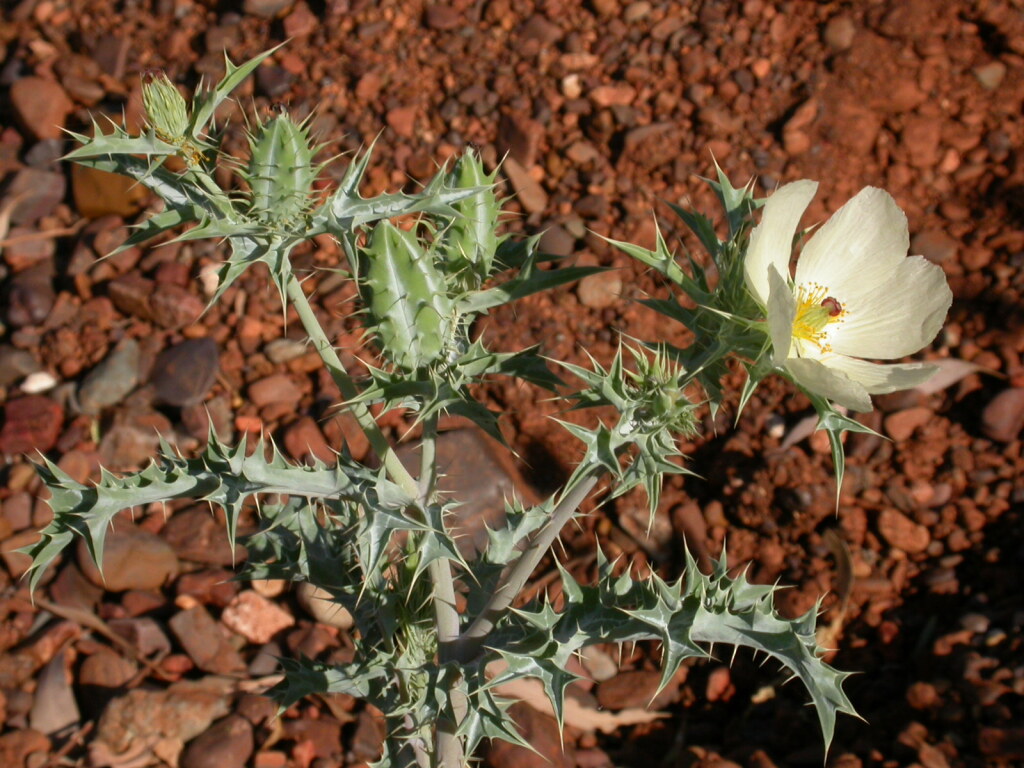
column 165, row 107
column 281, row 171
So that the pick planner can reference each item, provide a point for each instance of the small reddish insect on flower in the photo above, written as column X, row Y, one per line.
column 832, row 305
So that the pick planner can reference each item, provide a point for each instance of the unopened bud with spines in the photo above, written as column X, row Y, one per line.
column 470, row 242
column 407, row 299
column 166, row 109
column 281, row 171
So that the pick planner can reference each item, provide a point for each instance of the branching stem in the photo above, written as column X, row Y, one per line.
column 449, row 746
column 515, row 578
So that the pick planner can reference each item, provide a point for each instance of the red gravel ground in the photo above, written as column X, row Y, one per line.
column 607, row 109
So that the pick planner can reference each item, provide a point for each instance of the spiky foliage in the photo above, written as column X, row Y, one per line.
column 277, row 208
column 221, row 475
column 724, row 319
column 653, row 411
column 688, row 617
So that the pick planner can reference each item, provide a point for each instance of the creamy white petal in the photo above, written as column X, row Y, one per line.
column 880, row 379
column 771, row 242
column 858, row 247
column 835, row 385
column 898, row 317
column 781, row 312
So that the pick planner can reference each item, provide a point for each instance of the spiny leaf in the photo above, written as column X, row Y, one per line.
column 686, row 616
column 221, row 475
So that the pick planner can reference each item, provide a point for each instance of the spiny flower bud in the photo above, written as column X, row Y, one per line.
column 281, row 171
column 165, row 107
column 471, row 241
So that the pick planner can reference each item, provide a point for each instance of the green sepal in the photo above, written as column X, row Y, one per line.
column 701, row 226
column 739, row 204
column 469, row 242
column 281, row 172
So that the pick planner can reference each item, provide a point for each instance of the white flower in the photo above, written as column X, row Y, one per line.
column 855, row 295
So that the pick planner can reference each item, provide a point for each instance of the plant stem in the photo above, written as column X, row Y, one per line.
column 514, row 579
column 349, row 392
column 449, row 745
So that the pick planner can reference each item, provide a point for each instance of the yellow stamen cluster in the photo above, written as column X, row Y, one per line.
column 815, row 311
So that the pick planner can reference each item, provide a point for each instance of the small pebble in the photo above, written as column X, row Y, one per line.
column 1003, row 417
column 600, row 290
column 183, row 374
column 40, row 381
column 839, row 33
column 990, row 75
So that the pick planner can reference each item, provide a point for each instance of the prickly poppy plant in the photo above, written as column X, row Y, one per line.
column 426, row 267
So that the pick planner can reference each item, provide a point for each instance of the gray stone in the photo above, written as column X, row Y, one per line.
column 472, row 469
column 184, row 373
column 53, row 705
column 15, row 364
column 110, row 382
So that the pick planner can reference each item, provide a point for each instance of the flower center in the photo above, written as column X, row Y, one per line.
column 815, row 311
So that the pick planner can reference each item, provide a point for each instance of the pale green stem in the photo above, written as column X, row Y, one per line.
column 449, row 745
column 515, row 578
column 349, row 392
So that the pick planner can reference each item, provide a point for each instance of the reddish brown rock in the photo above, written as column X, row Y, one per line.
column 520, row 137
column 23, row 748
column 1003, row 417
column 131, row 294
column 197, row 535
column 185, row 373
column 402, row 121
column 31, row 424
column 273, row 390
column 617, row 94
column 303, row 440
column 98, row 193
column 903, row 533
column 206, row 642
column 133, row 558
column 173, row 306
column 635, row 688
column 255, row 618
column 35, row 194
column 324, row 736
column 41, row 106
column 228, row 743
column 155, row 724
column 529, row 192
column 540, row 731
column 921, row 136
column 901, row 425
column 209, row 586
column 600, row 290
